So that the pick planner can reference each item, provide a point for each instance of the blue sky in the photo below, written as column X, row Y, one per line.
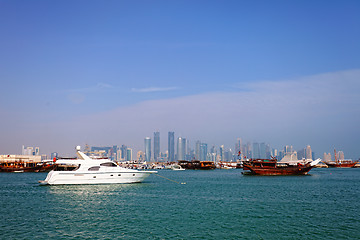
column 113, row 72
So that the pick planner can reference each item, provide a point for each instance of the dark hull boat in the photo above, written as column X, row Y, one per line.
column 342, row 164
column 19, row 167
column 197, row 165
column 272, row 167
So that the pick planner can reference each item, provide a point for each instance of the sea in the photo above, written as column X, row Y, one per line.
column 191, row 204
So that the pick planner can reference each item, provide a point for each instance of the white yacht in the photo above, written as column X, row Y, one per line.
column 177, row 167
column 86, row 170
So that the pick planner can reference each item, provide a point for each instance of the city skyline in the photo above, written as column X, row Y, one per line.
column 198, row 151
column 105, row 73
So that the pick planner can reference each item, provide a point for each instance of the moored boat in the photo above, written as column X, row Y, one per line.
column 273, row 167
column 197, row 165
column 176, row 167
column 19, row 166
column 340, row 163
column 86, row 170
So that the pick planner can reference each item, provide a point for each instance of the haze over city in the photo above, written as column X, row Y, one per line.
column 112, row 73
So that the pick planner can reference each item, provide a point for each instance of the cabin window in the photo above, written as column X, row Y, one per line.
column 108, row 164
column 66, row 167
column 95, row 168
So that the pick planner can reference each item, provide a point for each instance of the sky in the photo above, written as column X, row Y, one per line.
column 109, row 73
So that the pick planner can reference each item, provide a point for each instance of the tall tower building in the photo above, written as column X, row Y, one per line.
column 156, row 146
column 197, row 150
column 203, row 152
column 222, row 153
column 123, row 152
column 308, row 152
column 129, row 154
column 147, row 149
column 171, row 147
column 181, row 148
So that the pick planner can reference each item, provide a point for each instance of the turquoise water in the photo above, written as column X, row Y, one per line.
column 218, row 204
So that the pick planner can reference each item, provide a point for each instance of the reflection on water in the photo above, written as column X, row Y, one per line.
column 90, row 190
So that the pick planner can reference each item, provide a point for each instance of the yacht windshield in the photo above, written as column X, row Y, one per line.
column 108, row 164
column 66, row 167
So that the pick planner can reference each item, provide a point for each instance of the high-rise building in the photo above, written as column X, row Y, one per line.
column 197, row 150
column 181, row 148
column 129, row 154
column 222, row 153
column 308, row 152
column 156, row 146
column 171, row 147
column 147, row 149
column 203, row 152
column 123, row 152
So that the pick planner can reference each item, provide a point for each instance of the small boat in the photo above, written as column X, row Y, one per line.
column 177, row 167
column 197, row 165
column 86, row 170
column 273, row 167
column 19, row 166
column 341, row 163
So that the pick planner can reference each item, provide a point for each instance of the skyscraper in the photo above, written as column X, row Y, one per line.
column 123, row 151
column 156, row 146
column 308, row 152
column 197, row 150
column 171, row 147
column 147, row 149
column 222, row 153
column 203, row 152
column 181, row 148
column 129, row 154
